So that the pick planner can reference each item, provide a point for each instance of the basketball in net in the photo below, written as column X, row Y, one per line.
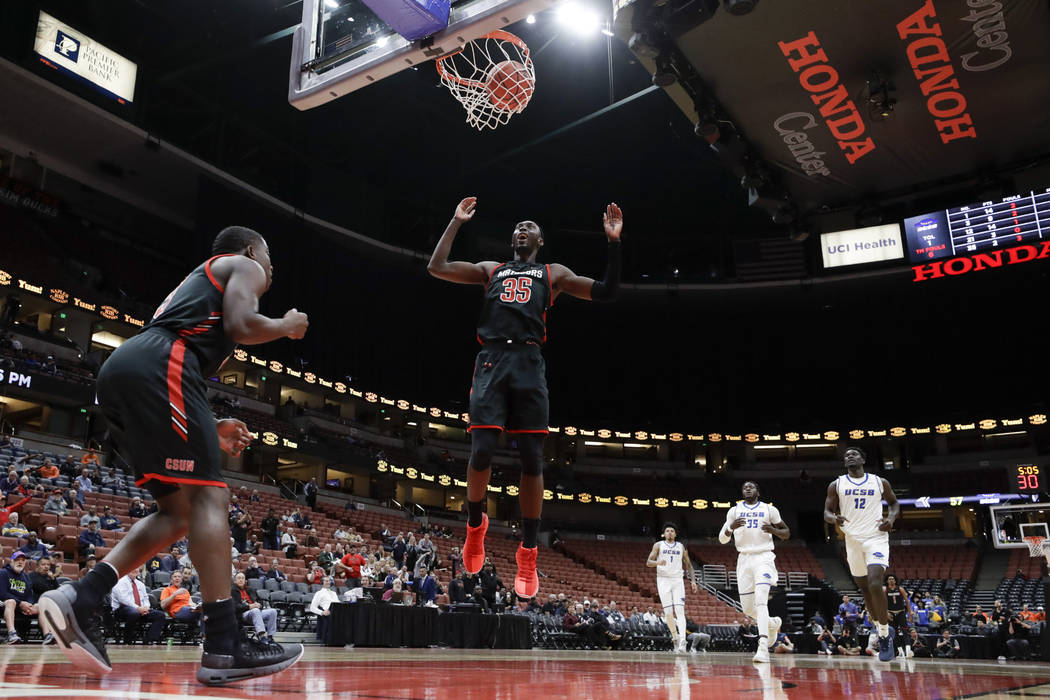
column 491, row 77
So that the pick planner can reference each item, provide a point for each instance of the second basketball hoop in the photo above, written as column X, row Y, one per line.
column 492, row 77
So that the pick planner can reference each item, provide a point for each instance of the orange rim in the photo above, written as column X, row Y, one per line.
column 498, row 35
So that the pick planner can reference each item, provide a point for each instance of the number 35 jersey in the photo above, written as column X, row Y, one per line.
column 516, row 301
column 750, row 538
column 860, row 503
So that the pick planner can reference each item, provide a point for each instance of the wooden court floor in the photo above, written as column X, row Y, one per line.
column 31, row 671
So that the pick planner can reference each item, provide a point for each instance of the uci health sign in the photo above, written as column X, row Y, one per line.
column 861, row 245
column 63, row 47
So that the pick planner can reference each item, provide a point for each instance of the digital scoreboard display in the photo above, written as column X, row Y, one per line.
column 979, row 227
column 1026, row 478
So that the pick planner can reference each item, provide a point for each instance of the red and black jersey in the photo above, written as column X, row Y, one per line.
column 516, row 301
column 193, row 311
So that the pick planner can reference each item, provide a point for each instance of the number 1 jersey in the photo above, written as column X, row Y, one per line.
column 515, row 306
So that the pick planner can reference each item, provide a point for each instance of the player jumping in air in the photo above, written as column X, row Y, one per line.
column 752, row 524
column 509, row 390
column 669, row 557
column 854, row 503
column 152, row 392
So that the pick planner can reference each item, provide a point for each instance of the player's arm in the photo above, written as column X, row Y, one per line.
column 240, row 307
column 894, row 507
column 565, row 280
column 653, row 561
column 458, row 271
column 779, row 528
column 689, row 567
column 726, row 533
column 831, row 506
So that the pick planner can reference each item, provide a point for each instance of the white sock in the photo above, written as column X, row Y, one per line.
column 762, row 611
column 883, row 629
column 681, row 627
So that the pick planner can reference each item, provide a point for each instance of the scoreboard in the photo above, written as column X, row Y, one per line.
column 1027, row 478
column 979, row 227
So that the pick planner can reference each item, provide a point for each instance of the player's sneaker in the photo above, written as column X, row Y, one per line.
column 886, row 650
column 908, row 653
column 762, row 655
column 680, row 649
column 774, row 630
column 474, row 546
column 250, row 659
column 526, row 582
column 76, row 630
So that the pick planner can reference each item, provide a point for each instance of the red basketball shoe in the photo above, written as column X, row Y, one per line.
column 474, row 547
column 526, row 583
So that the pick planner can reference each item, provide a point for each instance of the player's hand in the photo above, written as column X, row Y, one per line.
column 766, row 527
column 662, row 562
column 613, row 220
column 839, row 520
column 465, row 210
column 739, row 522
column 695, row 587
column 234, row 436
column 885, row 525
column 295, row 324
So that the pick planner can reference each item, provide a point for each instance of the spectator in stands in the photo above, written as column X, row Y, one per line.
column 847, row 644
column 310, row 492
column 455, row 561
column 83, row 482
column 90, row 457
column 998, row 614
column 159, row 562
column 351, row 564
column 399, row 550
column 16, row 596
column 114, row 481
column 385, row 532
column 252, row 570
column 321, row 606
column 848, row 615
column 490, row 583
column 45, row 578
column 33, row 548
column 89, row 564
column 137, row 508
column 251, row 610
column 74, row 499
column 274, row 572
column 326, row 559
column 978, row 614
column 1016, row 632
column 340, row 533
column 26, row 487
column 252, row 545
column 13, row 528
column 130, row 601
column 190, row 580
column 394, row 593
column 314, row 573
column 289, row 544
column 947, row 646
column 55, row 503
column 69, row 468
column 311, row 537
column 916, row 646
column 269, row 527
column 90, row 539
column 240, row 523
column 10, row 484
column 456, row 592
column 108, row 521
column 47, row 470
column 175, row 599
column 91, row 516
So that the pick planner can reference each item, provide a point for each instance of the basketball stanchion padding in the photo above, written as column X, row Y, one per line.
column 492, row 77
column 412, row 20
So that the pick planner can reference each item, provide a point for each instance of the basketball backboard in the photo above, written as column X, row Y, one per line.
column 1011, row 524
column 342, row 46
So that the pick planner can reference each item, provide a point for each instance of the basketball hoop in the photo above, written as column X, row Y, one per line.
column 492, row 77
column 1038, row 547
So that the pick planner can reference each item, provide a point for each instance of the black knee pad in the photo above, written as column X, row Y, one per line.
column 482, row 448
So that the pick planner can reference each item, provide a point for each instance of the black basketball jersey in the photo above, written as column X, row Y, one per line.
column 894, row 599
column 193, row 311
column 516, row 301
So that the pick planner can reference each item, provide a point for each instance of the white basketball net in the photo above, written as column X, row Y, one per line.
column 1038, row 547
column 492, row 77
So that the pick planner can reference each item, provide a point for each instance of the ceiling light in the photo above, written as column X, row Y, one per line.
column 333, row 4
column 579, row 19
column 531, row 19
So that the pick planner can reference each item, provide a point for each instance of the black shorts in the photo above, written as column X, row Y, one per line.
column 152, row 394
column 509, row 389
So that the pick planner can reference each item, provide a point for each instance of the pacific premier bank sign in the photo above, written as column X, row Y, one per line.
column 861, row 245
column 70, row 51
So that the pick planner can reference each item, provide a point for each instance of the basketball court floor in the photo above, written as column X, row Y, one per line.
column 160, row 673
